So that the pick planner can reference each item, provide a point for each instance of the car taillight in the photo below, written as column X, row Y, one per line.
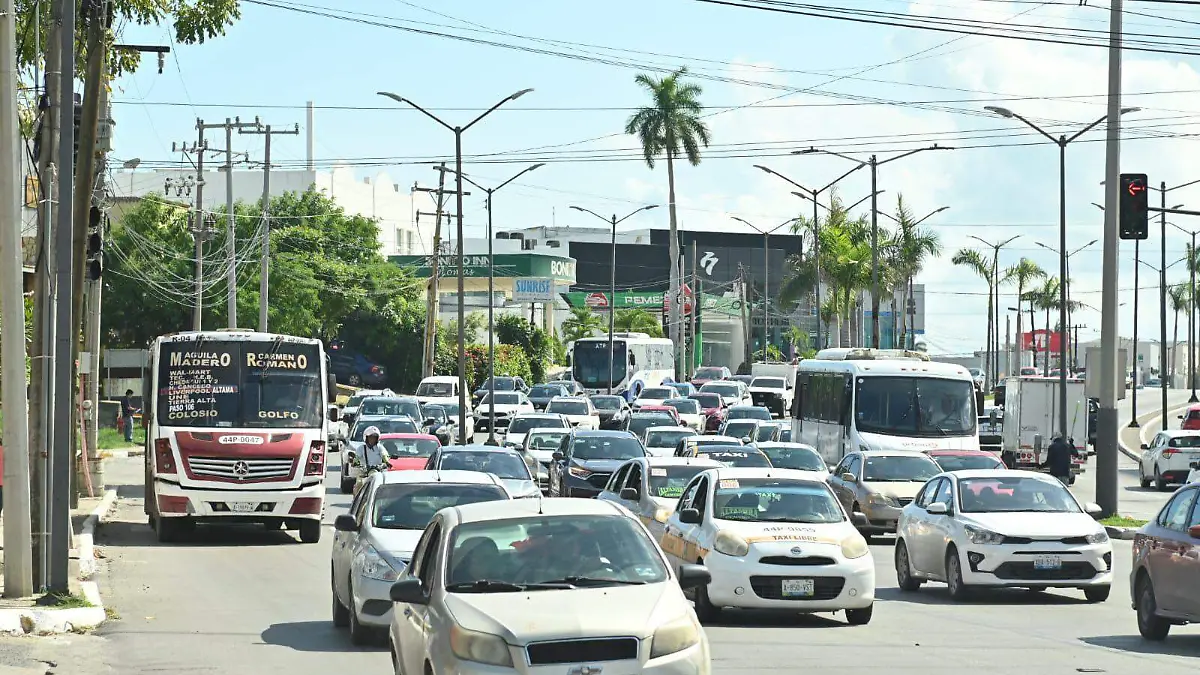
column 375, row 370
column 316, row 459
column 164, row 461
column 1167, row 452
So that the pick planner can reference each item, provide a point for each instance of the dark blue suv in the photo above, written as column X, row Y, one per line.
column 354, row 369
column 586, row 459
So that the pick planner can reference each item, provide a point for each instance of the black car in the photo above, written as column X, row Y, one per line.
column 438, row 423
column 503, row 383
column 573, row 387
column 613, row 410
column 541, row 394
column 588, row 459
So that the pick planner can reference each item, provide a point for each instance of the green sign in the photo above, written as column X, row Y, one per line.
column 642, row 300
column 559, row 268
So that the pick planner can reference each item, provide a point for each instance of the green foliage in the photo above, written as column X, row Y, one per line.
column 672, row 123
column 637, row 321
column 772, row 355
column 582, row 323
column 558, row 350
column 510, row 360
column 516, row 330
column 472, row 327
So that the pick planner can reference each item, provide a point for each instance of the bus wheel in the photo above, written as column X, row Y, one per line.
column 168, row 530
column 310, row 531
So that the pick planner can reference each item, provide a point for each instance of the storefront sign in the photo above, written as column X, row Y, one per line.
column 533, row 289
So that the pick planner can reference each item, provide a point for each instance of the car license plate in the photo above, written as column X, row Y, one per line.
column 1047, row 562
column 242, row 507
column 798, row 588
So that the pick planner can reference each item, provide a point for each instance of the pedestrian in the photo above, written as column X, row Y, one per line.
column 1058, row 459
column 127, row 411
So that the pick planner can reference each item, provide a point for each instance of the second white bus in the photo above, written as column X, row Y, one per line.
column 637, row 361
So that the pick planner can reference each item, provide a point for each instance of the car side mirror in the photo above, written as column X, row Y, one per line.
column 937, row 509
column 859, row 519
column 689, row 516
column 691, row 576
column 849, row 478
column 746, row 439
column 1145, row 446
column 1194, row 532
column 1195, row 465
column 1179, row 416
column 630, row 494
column 335, row 414
column 1093, row 510
column 557, row 456
column 345, row 523
column 409, row 591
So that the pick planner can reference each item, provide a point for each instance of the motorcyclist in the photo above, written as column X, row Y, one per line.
column 374, row 456
column 1058, row 459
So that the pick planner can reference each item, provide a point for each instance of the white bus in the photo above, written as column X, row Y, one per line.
column 638, row 361
column 235, row 431
column 882, row 399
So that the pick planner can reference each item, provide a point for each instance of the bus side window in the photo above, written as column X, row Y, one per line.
column 844, row 400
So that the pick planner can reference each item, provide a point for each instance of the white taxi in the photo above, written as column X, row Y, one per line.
column 772, row 539
column 650, row 487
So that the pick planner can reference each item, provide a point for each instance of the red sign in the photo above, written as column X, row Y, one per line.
column 596, row 301
column 686, row 291
column 1042, row 340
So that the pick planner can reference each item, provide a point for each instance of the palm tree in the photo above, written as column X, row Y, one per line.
column 1046, row 298
column 1181, row 299
column 582, row 323
column 1024, row 273
column 670, row 125
column 637, row 321
column 914, row 245
column 974, row 261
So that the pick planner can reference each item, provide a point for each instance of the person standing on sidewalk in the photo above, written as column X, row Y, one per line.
column 127, row 411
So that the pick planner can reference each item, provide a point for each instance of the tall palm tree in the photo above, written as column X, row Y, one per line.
column 1046, row 298
column 1180, row 298
column 1024, row 272
column 670, row 125
column 582, row 323
column 915, row 245
column 975, row 262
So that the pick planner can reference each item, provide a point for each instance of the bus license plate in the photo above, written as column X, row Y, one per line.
column 798, row 588
column 242, row 507
column 1047, row 562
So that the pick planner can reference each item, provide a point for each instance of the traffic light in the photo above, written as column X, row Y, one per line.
column 1134, row 212
column 95, row 248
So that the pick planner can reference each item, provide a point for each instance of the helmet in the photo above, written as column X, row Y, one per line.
column 371, row 431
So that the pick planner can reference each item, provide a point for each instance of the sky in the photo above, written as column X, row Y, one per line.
column 772, row 83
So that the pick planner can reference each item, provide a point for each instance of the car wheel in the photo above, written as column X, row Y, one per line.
column 954, row 576
column 310, row 531
column 1097, row 593
column 1142, row 480
column 1159, row 481
column 1150, row 624
column 861, row 616
column 359, row 634
column 705, row 611
column 341, row 613
column 354, row 380
column 904, row 575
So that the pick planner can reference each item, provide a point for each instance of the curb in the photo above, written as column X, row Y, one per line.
column 1133, row 454
column 86, row 547
column 111, row 454
column 1125, row 533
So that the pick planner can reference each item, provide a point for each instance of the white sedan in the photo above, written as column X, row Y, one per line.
column 654, row 396
column 772, row 539
column 1168, row 458
column 650, row 487
column 690, row 412
column 993, row 527
column 662, row 441
column 507, row 405
column 544, row 586
column 514, row 435
column 578, row 410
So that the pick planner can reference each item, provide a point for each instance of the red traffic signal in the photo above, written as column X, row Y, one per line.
column 1134, row 206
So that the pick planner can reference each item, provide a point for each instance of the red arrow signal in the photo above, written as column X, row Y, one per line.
column 1135, row 187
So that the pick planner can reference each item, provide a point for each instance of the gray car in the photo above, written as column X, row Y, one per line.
column 506, row 464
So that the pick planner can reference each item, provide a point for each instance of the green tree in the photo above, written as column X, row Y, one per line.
column 582, row 323
column 975, row 262
column 474, row 325
column 914, row 246
column 516, row 330
column 637, row 321
column 1024, row 272
column 1180, row 298
column 670, row 126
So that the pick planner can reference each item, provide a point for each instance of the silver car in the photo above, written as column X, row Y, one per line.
column 374, row 542
column 505, row 463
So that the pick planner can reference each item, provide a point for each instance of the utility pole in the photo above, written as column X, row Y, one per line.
column 231, row 219
column 747, row 350
column 18, row 547
column 200, row 148
column 264, row 280
column 691, row 358
column 94, row 264
column 432, row 309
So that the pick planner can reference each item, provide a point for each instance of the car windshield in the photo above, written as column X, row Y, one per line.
column 411, row 507
column 502, row 384
column 707, row 399
column 666, row 438
column 547, row 552
column 409, row 448
column 547, row 391
column 723, row 388
column 796, row 457
column 669, row 481
column 741, row 428
column 964, row 462
column 765, row 432
column 724, row 440
column 435, row 389
column 775, row 500
column 390, row 406
column 569, row 407
column 769, row 383
column 657, row 393
column 749, row 413
column 736, row 456
column 545, row 440
column 503, row 398
column 607, row 402
column 397, row 425
column 899, row 469
column 1015, row 494
column 522, row 425
column 1185, row 442
column 685, row 406
column 435, row 412
column 785, row 435
column 639, row 423
column 500, row 464
column 592, row 368
column 914, row 406
column 606, row 447
column 709, row 374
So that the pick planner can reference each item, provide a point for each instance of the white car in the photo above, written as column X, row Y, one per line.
column 514, row 435
column 374, row 542
column 501, row 588
column 731, row 392
column 654, row 396
column 662, row 441
column 651, row 486
column 578, row 410
column 692, row 442
column 350, row 410
column 772, row 539
column 744, row 429
column 1194, row 474
column 998, row 527
column 507, row 405
column 690, row 412
column 439, row 389
column 773, row 393
column 539, row 448
column 1168, row 458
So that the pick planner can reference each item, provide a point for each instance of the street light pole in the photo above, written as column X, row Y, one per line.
column 612, row 283
column 1162, row 308
column 995, row 293
column 904, row 344
column 766, row 269
column 462, row 336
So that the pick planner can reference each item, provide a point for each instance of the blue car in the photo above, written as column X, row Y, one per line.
column 588, row 459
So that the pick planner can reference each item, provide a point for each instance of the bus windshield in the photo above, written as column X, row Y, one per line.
column 591, row 365
column 914, row 406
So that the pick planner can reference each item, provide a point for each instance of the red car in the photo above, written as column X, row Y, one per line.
column 713, row 409
column 408, row 452
column 1191, row 418
column 662, row 408
column 959, row 460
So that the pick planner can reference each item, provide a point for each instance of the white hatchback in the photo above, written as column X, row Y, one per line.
column 654, row 396
column 578, row 410
column 1168, row 458
column 662, row 441
column 772, row 539
column 997, row 527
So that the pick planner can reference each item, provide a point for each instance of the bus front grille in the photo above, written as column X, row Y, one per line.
column 242, row 469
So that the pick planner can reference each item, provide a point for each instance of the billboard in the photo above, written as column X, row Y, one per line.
column 1042, row 340
column 533, row 289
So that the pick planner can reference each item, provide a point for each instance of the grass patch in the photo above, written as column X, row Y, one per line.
column 109, row 438
column 1122, row 521
column 64, row 601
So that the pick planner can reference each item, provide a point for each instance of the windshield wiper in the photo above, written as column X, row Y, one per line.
column 594, row 581
column 492, row 586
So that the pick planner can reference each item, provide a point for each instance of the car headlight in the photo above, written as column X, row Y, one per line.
column 373, row 566
column 1097, row 537
column 978, row 535
column 470, row 645
column 662, row 515
column 673, row 637
column 854, row 546
column 579, row 471
column 730, row 544
column 883, row 500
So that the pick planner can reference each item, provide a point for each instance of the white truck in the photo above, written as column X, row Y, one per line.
column 773, row 386
column 1031, row 416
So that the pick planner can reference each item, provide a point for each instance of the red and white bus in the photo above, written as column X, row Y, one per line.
column 236, row 432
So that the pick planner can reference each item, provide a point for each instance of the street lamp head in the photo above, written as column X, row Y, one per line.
column 1177, row 206
column 801, row 195
column 1129, row 110
column 760, row 167
column 807, row 151
column 944, row 208
column 741, row 220
column 1003, row 112
column 578, row 208
column 536, row 166
column 652, row 206
column 518, row 95
column 132, row 163
column 395, row 97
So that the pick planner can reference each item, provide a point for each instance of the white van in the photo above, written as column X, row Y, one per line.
column 440, row 390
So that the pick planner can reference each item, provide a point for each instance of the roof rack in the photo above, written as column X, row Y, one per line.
column 868, row 354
